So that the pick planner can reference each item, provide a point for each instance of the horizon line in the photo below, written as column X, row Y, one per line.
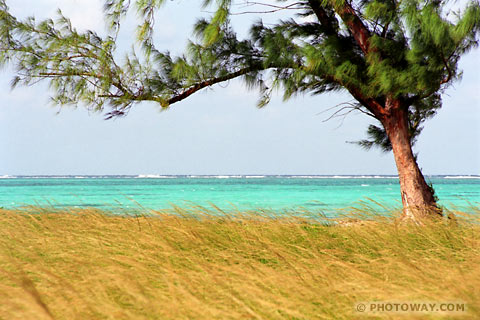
column 151, row 175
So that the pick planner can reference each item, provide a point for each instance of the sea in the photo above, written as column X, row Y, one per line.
column 278, row 193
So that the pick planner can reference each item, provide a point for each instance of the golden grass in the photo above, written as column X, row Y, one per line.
column 89, row 265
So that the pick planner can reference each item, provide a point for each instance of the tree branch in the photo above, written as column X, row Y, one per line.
column 206, row 83
column 361, row 35
column 449, row 76
column 359, row 31
column 322, row 17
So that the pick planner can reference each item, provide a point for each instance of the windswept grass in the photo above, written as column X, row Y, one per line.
column 89, row 265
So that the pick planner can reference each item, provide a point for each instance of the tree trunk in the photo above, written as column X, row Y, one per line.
column 417, row 196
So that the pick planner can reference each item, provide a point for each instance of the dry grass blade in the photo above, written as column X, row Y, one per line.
column 197, row 263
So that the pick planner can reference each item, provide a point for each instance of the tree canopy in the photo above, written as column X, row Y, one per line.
column 312, row 52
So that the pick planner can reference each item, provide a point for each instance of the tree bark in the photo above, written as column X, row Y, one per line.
column 417, row 196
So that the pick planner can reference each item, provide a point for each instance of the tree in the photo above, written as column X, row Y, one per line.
column 395, row 57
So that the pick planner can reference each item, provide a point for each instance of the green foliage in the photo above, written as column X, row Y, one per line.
column 377, row 138
column 411, row 55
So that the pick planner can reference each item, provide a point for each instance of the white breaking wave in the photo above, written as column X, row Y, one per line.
column 47, row 177
column 227, row 177
column 306, row 177
column 7, row 177
column 215, row 176
column 462, row 177
column 153, row 176
column 363, row 177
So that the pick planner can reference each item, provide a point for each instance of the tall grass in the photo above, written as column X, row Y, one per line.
column 193, row 264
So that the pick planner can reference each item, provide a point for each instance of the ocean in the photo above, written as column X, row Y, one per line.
column 324, row 194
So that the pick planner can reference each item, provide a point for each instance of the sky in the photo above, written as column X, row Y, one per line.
column 218, row 131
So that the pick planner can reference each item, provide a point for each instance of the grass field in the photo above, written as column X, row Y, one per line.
column 89, row 265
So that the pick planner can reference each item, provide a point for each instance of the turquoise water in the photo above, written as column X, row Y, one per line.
column 325, row 193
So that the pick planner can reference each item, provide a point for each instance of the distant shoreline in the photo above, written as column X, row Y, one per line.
column 234, row 176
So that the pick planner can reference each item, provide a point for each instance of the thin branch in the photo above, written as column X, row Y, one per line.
column 339, row 113
column 348, row 106
column 385, row 29
column 277, row 8
column 255, row 3
column 445, row 62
